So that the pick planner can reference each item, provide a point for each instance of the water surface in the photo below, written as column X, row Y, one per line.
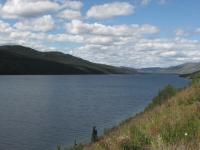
column 41, row 112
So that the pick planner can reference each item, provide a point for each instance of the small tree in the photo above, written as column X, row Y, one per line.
column 75, row 144
column 94, row 135
column 58, row 148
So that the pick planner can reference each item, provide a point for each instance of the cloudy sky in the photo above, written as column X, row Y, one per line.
column 132, row 33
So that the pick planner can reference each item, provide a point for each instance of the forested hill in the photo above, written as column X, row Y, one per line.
column 19, row 60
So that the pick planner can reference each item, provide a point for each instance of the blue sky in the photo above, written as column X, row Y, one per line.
column 132, row 33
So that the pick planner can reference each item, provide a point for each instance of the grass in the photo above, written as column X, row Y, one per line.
column 172, row 124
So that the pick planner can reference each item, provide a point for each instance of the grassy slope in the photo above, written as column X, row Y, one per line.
column 175, row 124
column 24, row 60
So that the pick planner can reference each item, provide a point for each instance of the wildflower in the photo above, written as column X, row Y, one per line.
column 186, row 134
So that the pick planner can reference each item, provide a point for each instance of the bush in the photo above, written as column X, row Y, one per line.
column 162, row 96
column 196, row 78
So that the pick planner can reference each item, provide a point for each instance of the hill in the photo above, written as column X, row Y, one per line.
column 149, row 70
column 20, row 60
column 181, row 69
column 171, row 121
column 186, row 68
column 190, row 75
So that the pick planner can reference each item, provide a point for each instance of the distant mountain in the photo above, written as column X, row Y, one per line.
column 19, row 60
column 185, row 68
column 182, row 69
column 149, row 70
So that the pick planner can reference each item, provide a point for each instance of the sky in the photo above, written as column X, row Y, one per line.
column 130, row 33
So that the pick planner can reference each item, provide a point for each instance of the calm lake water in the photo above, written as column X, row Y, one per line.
column 41, row 112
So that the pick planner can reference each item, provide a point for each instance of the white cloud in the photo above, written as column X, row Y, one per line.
column 69, row 14
column 1, row 12
column 44, row 24
column 145, row 53
column 76, row 5
column 162, row 2
column 198, row 30
column 63, row 38
column 100, row 34
column 14, row 9
column 108, row 11
column 145, row 2
column 78, row 27
column 20, row 35
column 180, row 33
column 166, row 44
column 5, row 27
column 111, row 49
column 27, row 8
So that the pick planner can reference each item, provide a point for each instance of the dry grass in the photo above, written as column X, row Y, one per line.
column 174, row 125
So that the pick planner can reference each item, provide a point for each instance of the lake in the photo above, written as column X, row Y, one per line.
column 41, row 112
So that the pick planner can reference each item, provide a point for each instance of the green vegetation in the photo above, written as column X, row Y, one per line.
column 195, row 78
column 190, row 75
column 171, row 121
column 94, row 137
column 75, row 147
column 163, row 96
column 17, row 60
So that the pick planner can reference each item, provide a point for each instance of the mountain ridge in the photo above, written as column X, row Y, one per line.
column 22, row 60
column 186, row 68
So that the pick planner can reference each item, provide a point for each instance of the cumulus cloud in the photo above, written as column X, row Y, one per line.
column 69, row 14
column 44, row 24
column 198, row 30
column 100, row 34
column 162, row 2
column 145, row 2
column 27, row 8
column 109, row 49
column 15, row 9
column 78, row 27
column 63, row 38
column 5, row 27
column 165, row 44
column 76, row 5
column 96, row 40
column 145, row 53
column 1, row 12
column 180, row 33
column 108, row 11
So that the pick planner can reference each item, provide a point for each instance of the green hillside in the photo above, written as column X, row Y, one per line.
column 23, row 60
column 191, row 75
column 170, row 122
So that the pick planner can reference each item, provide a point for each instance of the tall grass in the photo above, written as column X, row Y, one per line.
column 171, row 122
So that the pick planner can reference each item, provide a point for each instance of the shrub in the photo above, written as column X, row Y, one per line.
column 162, row 96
